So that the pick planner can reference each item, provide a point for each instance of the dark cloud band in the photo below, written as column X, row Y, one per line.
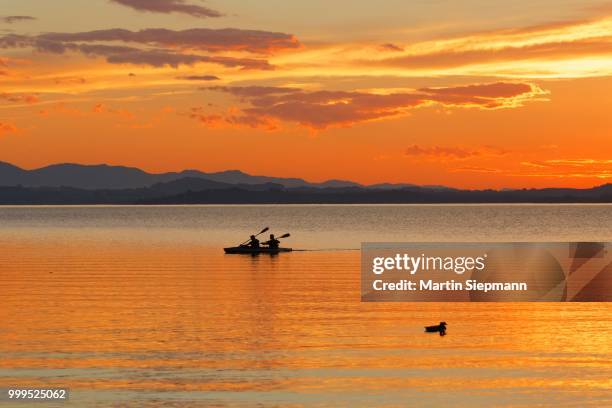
column 169, row 6
column 202, row 39
column 161, row 47
column 16, row 19
column 322, row 109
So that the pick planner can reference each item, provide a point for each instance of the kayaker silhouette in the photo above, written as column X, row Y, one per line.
column 272, row 242
column 253, row 243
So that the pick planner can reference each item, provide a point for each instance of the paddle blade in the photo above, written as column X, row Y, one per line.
column 285, row 236
column 264, row 230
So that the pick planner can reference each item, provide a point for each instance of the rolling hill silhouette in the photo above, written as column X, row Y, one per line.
column 103, row 184
column 102, row 176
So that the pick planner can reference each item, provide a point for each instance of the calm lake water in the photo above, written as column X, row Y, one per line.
column 138, row 306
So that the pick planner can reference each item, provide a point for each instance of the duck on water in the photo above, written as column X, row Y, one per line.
column 253, row 246
column 439, row 328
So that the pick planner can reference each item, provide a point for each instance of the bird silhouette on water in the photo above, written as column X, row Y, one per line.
column 439, row 328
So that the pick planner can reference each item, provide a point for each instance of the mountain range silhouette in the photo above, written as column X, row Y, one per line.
column 103, row 176
column 104, row 184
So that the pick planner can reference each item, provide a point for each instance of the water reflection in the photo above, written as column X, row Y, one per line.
column 124, row 314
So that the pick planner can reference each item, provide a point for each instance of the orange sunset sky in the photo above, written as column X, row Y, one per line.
column 467, row 94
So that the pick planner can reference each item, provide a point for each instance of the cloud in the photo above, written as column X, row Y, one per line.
column 199, row 78
column 477, row 170
column 119, row 54
column 169, row 6
column 157, row 58
column 62, row 108
column 253, row 91
column 390, row 47
column 70, row 110
column 603, row 174
column 233, row 118
column 4, row 64
column 102, row 108
column 74, row 80
column 160, row 58
column 19, row 98
column 556, row 163
column 203, row 39
column 322, row 109
column 452, row 153
column 548, row 51
column 487, row 96
column 158, row 47
column 519, row 52
column 7, row 128
column 580, row 168
column 494, row 90
column 16, row 19
column 98, row 49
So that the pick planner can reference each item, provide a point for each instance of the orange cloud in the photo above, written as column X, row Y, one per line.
column 70, row 80
column 97, row 109
column 494, row 90
column 233, row 118
column 578, row 162
column 102, row 108
column 600, row 174
column 555, row 163
column 452, row 153
column 323, row 109
column 62, row 109
column 574, row 48
column 582, row 168
column 7, row 128
column 477, row 170
column 19, row 98
column 549, row 51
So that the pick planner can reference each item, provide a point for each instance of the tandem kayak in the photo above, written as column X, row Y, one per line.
column 253, row 251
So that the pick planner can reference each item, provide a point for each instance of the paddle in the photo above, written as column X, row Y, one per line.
column 260, row 232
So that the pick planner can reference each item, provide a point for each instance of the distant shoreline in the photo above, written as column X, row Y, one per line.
column 358, row 195
column 73, row 184
column 305, row 205
column 183, row 191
